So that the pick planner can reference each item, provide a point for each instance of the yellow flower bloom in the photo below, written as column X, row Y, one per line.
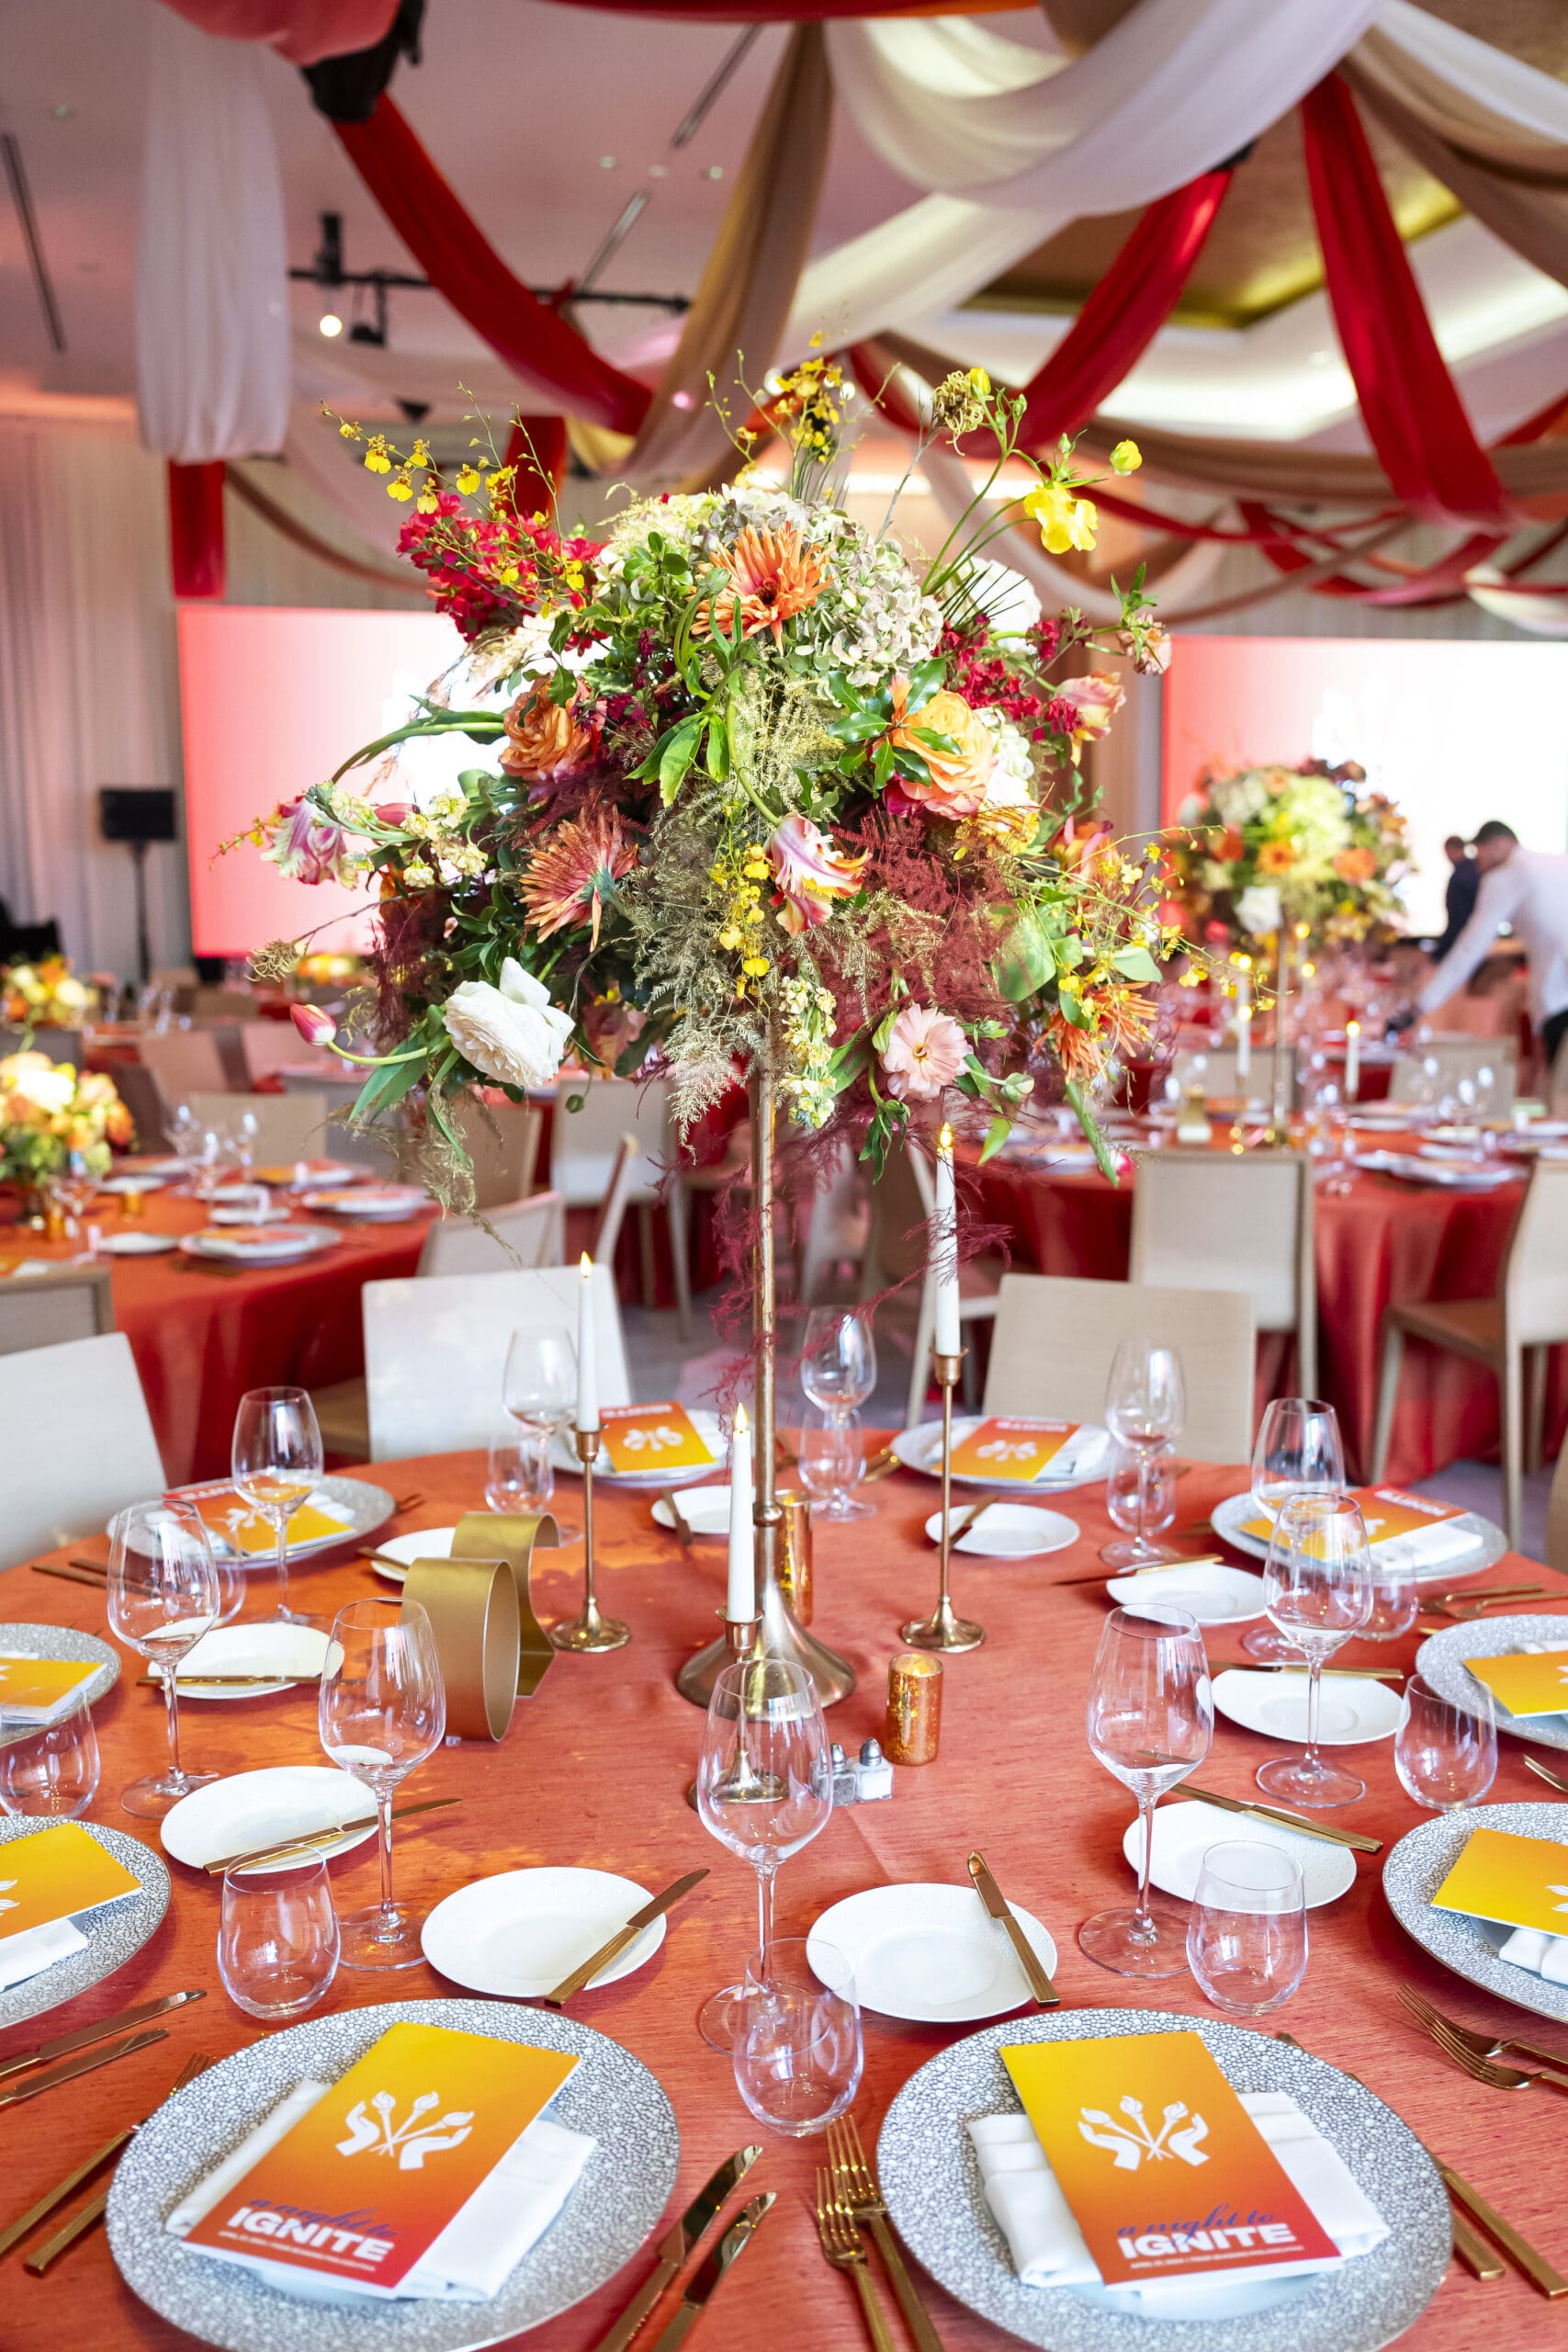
column 377, row 457
column 468, row 479
column 1064, row 520
column 755, row 966
column 1126, row 457
column 420, row 456
column 400, row 487
column 349, row 432
column 428, row 503
column 981, row 382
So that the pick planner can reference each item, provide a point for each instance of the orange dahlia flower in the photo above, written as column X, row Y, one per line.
column 1276, row 857
column 773, row 578
column 543, row 739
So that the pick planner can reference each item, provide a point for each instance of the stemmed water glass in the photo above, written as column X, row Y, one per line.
column 1298, row 1452
column 163, row 1596
column 837, row 1372
column 1145, row 1404
column 764, row 1789
column 276, row 1462
column 1317, row 1588
column 1151, row 1718
column 1140, row 1496
column 75, row 1186
column 382, row 1711
column 538, row 1388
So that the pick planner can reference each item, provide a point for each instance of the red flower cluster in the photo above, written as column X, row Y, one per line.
column 463, row 555
column 984, row 678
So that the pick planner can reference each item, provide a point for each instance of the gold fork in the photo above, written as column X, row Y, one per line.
column 857, row 2188
column 86, row 2215
column 1480, row 2045
column 1482, row 2070
column 1553, row 1779
column 843, row 2247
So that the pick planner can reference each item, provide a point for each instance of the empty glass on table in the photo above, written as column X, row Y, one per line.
column 538, row 1388
column 832, row 1459
column 1247, row 1940
column 1140, row 1496
column 837, row 1372
column 519, row 1474
column 277, row 1939
column 382, row 1710
column 1317, row 1590
column 51, row 1769
column 1298, row 1452
column 275, row 1461
column 1445, row 1750
column 1145, row 1404
column 798, row 2047
column 1151, row 1719
column 163, row 1596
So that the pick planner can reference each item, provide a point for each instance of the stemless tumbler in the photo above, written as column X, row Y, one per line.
column 1445, row 1750
column 278, row 1941
column 798, row 2051
column 1246, row 1938
column 52, row 1770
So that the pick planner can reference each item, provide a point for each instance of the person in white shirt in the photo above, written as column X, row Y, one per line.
column 1529, row 890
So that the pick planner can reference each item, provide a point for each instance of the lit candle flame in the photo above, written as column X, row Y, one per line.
column 944, row 1140
column 742, row 1423
column 1352, row 1028
column 585, row 1266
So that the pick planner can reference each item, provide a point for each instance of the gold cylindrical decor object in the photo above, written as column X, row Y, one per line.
column 913, row 1733
column 514, row 1537
column 472, row 1608
column 795, row 1555
column 133, row 1204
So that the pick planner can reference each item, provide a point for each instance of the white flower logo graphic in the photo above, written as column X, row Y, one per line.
column 410, row 2142
column 999, row 1449
column 1128, row 2143
column 1558, row 1889
column 661, row 1438
column 5, row 1906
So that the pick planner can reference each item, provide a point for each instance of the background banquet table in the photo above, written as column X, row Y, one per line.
column 1382, row 1243
column 203, row 1333
column 593, row 1771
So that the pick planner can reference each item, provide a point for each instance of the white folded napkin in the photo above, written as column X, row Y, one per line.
column 1048, row 2247
column 1425, row 1547
column 35, row 1949
column 1542, row 1954
column 476, row 2252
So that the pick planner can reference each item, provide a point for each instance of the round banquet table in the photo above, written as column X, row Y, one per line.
column 593, row 1771
column 203, row 1333
column 1383, row 1243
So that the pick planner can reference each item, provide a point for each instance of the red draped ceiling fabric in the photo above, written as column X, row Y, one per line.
column 197, row 557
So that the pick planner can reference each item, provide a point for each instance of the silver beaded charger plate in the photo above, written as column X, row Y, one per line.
column 1228, row 1519
column 1440, row 1660
column 57, row 1642
column 1418, row 1867
column 621, row 2192
column 931, row 2179
column 365, row 1508
column 114, row 1931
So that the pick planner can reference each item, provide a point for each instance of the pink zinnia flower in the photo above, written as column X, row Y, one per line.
column 925, row 1051
column 810, row 873
column 1094, row 702
column 317, row 1028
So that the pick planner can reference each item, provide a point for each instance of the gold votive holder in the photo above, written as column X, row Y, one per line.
column 133, row 1204
column 795, row 1556
column 53, row 1222
column 913, row 1731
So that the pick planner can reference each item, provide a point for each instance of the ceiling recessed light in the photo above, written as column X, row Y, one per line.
column 61, row 111
column 330, row 324
column 607, row 163
column 659, row 171
column 713, row 171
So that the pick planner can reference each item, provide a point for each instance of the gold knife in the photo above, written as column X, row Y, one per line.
column 682, row 1526
column 705, row 2279
column 1045, row 1994
column 571, row 1985
column 224, row 1681
column 1352, row 1837
column 309, row 1838
column 1288, row 1666
column 15, row 2231
column 679, row 2240
column 70, row 2067
column 1519, row 2251
column 85, row 2035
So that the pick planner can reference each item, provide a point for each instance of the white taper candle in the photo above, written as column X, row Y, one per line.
column 587, row 1360
column 946, row 1248
column 740, row 1598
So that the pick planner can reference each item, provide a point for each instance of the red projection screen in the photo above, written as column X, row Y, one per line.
column 273, row 698
column 1455, row 732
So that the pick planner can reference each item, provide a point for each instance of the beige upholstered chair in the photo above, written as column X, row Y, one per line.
column 630, row 1173
column 145, row 1099
column 59, row 1045
column 44, row 1310
column 329, row 1095
column 270, row 1046
column 81, row 1444
column 288, row 1126
column 903, row 1199
column 1055, row 1338
column 585, row 1146
column 530, row 1233
column 1436, row 1066
column 185, row 1062
column 1216, row 1221
column 1557, row 1517
column 1528, row 1314
column 436, row 1349
column 503, row 1139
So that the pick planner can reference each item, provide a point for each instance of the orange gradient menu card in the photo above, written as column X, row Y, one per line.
column 34, row 1686
column 1389, row 1512
column 229, row 1516
column 1521, row 1881
column 1165, row 2173
column 1525, row 1685
column 54, row 1873
column 649, row 1438
column 367, row 2180
column 1011, row 1449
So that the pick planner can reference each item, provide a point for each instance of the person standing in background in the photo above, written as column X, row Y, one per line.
column 1527, row 889
column 1459, row 903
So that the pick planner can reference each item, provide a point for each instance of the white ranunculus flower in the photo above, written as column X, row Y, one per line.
column 511, row 1033
column 52, row 1089
column 1259, row 910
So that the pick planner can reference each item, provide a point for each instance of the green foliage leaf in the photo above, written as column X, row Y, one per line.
column 1092, row 1136
column 997, row 1134
column 1136, row 964
column 1028, row 961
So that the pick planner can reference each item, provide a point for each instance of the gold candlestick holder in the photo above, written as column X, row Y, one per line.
column 590, row 1630
column 944, row 1630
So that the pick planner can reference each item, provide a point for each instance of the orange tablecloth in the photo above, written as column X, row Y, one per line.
column 202, row 1333
column 1382, row 1243
column 593, row 1771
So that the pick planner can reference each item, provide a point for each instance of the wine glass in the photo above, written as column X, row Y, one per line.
column 1140, row 1495
column 275, row 1461
column 799, row 2050
column 277, row 1939
column 1317, row 1588
column 1445, row 1750
column 51, row 1769
column 832, row 1459
column 764, row 1789
column 539, row 1387
column 75, row 1185
column 1151, row 1718
column 519, row 1474
column 163, row 1596
column 1298, row 1451
column 382, row 1711
column 1247, row 1941
column 837, row 1372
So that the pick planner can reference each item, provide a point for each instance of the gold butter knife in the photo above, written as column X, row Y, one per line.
column 1045, row 1994
column 307, row 1839
column 84, row 2036
column 679, row 2240
column 70, row 2068
column 682, row 1526
column 15, row 2231
column 1288, row 1666
column 703, row 2280
column 1518, row 2249
column 1352, row 1837
column 224, row 1681
column 571, row 1985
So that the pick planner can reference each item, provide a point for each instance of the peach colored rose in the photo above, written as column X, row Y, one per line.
column 958, row 778
column 925, row 1051
column 1356, row 864
column 543, row 739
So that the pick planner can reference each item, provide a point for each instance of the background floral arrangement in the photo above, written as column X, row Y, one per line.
column 1303, row 844
column 48, row 1111
column 45, row 995
column 766, row 790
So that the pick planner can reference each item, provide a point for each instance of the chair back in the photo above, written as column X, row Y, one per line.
column 329, row 1094
column 288, row 1126
column 1435, row 1068
column 45, row 1310
column 145, row 1099
column 223, row 1004
column 185, row 1062
column 903, row 1201
column 59, row 1045
column 271, row 1046
column 530, row 1232
column 1207, row 1220
column 436, row 1350
column 1213, row 1069
column 1055, row 1337
column 1535, row 1274
column 1557, row 1517
column 633, row 1175
column 584, row 1144
column 83, row 1443
column 502, row 1141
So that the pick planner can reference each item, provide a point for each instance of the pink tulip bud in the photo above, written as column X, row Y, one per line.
column 317, row 1028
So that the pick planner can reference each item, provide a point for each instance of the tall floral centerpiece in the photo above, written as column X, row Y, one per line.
column 48, row 1112
column 738, row 790
column 44, row 994
column 1267, row 847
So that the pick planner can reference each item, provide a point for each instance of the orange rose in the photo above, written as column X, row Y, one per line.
column 543, row 739
column 1356, row 864
column 958, row 778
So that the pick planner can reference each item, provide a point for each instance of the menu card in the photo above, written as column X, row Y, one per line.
column 1523, row 1882
column 369, row 2179
column 1526, row 1685
column 1388, row 1513
column 36, row 1690
column 652, row 1438
column 54, row 1873
column 230, row 1517
column 1011, row 1451
column 1167, row 2174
